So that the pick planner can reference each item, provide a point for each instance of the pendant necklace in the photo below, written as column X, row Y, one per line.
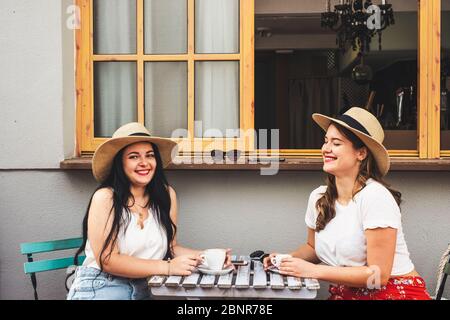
column 141, row 215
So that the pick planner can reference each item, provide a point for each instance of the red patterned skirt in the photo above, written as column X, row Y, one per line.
column 397, row 288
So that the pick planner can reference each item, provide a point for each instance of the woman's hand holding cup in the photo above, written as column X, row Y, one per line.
column 267, row 262
column 183, row 265
column 228, row 259
column 275, row 259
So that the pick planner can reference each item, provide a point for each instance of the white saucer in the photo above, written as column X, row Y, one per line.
column 215, row 272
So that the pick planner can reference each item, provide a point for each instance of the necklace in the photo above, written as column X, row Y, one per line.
column 140, row 212
column 141, row 219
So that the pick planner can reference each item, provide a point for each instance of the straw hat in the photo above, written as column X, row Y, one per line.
column 366, row 127
column 127, row 134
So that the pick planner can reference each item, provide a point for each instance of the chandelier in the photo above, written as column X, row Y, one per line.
column 357, row 21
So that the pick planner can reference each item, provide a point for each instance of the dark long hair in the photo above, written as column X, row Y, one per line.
column 368, row 169
column 159, row 202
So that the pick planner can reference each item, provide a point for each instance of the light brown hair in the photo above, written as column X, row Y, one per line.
column 325, row 206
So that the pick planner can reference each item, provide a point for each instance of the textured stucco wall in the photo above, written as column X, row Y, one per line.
column 31, row 93
column 241, row 210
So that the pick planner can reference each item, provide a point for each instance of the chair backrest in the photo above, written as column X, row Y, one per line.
column 443, row 272
column 32, row 267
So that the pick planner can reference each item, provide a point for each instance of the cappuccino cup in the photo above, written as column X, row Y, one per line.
column 276, row 260
column 213, row 259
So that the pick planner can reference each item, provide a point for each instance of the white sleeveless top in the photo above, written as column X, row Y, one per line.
column 343, row 241
column 147, row 243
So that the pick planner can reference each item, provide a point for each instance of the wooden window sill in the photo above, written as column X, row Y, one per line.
column 290, row 164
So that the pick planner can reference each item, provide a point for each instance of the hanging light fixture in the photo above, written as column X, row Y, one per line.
column 357, row 21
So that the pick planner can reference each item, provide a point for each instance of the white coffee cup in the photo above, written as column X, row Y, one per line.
column 276, row 260
column 213, row 259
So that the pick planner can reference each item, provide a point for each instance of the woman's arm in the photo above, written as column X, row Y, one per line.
column 380, row 258
column 100, row 224
column 307, row 251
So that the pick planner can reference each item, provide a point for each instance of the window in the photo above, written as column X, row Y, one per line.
column 445, row 79
column 189, row 65
column 309, row 74
column 184, row 65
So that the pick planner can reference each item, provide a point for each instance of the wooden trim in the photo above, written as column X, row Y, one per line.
column 429, row 78
column 217, row 57
column 434, row 81
column 166, row 57
column 78, row 82
column 84, row 78
column 191, row 68
column 317, row 153
column 247, row 67
column 91, row 76
column 140, row 61
column 111, row 57
column 294, row 164
column 422, row 69
column 199, row 145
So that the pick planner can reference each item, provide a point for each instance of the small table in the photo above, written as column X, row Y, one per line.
column 250, row 281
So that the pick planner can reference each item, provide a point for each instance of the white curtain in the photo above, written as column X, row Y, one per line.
column 114, row 82
column 165, row 97
column 217, row 26
column 165, row 26
column 216, row 98
column 114, row 26
column 114, row 96
column 217, row 82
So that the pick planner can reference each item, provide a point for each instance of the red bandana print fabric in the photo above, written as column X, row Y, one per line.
column 397, row 288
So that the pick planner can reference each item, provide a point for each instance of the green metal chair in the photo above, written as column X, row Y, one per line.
column 32, row 267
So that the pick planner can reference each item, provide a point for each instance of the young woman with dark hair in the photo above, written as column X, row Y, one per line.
column 354, row 222
column 129, row 230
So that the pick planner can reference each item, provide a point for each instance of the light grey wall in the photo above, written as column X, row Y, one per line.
column 241, row 210
column 31, row 93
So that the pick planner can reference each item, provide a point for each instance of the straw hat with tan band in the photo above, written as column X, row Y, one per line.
column 366, row 127
column 127, row 134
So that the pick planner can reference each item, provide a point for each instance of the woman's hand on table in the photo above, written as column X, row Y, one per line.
column 296, row 267
column 183, row 265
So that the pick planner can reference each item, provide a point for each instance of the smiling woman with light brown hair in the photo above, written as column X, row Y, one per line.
column 354, row 222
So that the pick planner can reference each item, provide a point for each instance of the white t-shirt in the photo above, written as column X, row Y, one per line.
column 343, row 241
column 147, row 243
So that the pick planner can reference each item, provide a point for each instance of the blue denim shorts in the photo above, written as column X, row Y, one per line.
column 92, row 284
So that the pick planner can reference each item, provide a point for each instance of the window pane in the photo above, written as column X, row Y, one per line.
column 165, row 97
column 315, row 76
column 114, row 96
column 445, row 76
column 217, row 26
column 114, row 26
column 216, row 98
column 165, row 26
